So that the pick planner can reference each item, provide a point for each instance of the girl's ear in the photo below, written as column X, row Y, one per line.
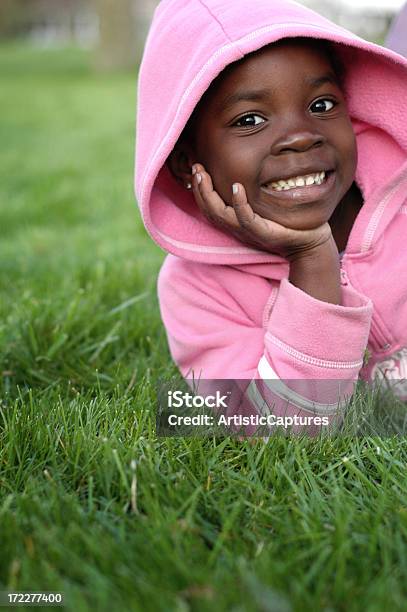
column 180, row 163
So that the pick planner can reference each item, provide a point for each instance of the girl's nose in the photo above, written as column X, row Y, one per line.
column 299, row 141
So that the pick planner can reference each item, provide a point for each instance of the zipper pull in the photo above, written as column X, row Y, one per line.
column 344, row 278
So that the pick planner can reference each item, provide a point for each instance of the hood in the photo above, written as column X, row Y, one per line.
column 189, row 43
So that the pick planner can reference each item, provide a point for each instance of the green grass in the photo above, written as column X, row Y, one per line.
column 92, row 503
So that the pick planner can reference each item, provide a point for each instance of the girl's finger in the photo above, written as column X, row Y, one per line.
column 254, row 226
column 211, row 203
column 241, row 206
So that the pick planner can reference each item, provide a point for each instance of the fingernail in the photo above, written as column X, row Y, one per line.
column 235, row 188
column 193, row 169
column 198, row 178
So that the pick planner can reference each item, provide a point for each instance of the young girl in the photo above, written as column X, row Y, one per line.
column 271, row 165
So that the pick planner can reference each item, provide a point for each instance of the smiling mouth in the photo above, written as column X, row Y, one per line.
column 301, row 188
column 317, row 178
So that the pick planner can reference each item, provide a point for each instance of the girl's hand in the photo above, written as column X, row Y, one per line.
column 240, row 220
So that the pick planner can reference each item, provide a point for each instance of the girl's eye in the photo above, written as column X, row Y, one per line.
column 251, row 123
column 323, row 106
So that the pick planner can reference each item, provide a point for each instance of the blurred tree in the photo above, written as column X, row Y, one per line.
column 11, row 17
column 123, row 28
column 39, row 17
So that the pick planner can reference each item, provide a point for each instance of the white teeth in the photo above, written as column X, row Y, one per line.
column 298, row 181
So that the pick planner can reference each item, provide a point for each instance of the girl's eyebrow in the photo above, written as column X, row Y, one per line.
column 257, row 95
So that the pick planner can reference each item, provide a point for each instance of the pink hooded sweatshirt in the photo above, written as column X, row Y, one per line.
column 230, row 311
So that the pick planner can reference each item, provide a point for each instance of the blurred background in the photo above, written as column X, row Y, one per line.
column 116, row 30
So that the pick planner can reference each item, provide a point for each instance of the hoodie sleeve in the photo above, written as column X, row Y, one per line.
column 305, row 357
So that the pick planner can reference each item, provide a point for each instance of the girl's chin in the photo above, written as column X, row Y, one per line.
column 297, row 220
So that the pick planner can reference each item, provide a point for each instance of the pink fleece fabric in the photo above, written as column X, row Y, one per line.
column 229, row 310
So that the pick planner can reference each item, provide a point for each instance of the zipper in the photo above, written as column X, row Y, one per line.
column 378, row 338
column 269, row 305
column 344, row 278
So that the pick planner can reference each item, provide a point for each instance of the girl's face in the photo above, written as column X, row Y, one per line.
column 278, row 114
